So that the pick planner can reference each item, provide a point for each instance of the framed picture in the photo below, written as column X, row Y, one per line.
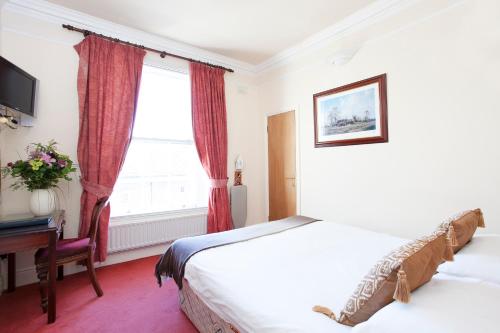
column 352, row 114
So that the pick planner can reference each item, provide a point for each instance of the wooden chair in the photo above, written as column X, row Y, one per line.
column 70, row 250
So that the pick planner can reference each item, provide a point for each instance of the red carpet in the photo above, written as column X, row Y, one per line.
column 132, row 302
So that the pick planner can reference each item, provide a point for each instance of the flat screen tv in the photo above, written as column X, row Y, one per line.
column 17, row 88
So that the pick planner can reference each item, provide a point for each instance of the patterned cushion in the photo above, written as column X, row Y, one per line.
column 462, row 227
column 408, row 267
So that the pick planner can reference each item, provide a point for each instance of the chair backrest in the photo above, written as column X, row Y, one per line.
column 96, row 214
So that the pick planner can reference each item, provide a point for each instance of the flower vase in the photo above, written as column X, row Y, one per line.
column 42, row 202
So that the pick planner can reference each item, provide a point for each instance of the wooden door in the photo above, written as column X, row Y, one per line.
column 281, row 157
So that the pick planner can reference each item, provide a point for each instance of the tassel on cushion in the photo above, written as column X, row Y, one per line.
column 402, row 292
column 326, row 311
column 448, row 252
column 452, row 236
column 480, row 222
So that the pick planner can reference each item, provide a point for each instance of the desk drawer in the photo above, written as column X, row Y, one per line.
column 23, row 242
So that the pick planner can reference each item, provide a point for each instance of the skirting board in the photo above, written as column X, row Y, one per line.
column 27, row 275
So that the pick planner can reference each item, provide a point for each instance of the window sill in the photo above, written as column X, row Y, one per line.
column 149, row 217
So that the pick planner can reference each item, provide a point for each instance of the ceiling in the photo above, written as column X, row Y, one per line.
column 250, row 31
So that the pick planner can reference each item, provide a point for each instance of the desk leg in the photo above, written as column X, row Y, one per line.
column 52, row 277
column 60, row 272
column 60, row 269
column 11, row 272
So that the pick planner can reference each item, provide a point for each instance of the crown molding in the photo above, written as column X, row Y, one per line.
column 364, row 17
column 49, row 12
column 369, row 15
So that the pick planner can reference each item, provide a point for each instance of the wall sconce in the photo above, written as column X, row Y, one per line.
column 8, row 120
column 342, row 57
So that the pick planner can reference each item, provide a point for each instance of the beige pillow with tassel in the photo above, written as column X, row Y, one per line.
column 461, row 227
column 394, row 277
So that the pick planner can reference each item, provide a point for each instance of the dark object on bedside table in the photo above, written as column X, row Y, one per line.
column 70, row 250
column 28, row 237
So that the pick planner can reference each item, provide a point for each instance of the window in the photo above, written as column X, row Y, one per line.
column 162, row 171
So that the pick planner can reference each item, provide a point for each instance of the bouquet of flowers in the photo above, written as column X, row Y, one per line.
column 43, row 169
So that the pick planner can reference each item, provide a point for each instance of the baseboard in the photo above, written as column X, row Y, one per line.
column 27, row 275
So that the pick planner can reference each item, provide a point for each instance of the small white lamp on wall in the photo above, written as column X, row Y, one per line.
column 342, row 57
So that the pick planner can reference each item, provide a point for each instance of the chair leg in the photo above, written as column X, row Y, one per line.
column 43, row 284
column 60, row 272
column 92, row 276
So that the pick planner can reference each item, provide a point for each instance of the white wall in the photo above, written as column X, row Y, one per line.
column 246, row 137
column 442, row 58
column 45, row 50
column 443, row 65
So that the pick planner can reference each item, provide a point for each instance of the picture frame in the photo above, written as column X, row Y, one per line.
column 352, row 114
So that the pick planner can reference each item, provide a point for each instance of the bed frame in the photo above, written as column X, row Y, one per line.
column 204, row 319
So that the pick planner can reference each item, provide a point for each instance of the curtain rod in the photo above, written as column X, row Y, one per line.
column 162, row 54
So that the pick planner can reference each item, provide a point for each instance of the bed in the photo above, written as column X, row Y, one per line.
column 447, row 304
column 270, row 283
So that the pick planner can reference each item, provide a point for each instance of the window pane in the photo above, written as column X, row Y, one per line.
column 162, row 171
column 164, row 106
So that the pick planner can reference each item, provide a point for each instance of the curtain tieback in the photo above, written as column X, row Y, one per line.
column 96, row 189
column 218, row 183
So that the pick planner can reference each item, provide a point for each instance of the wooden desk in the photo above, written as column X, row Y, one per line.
column 29, row 238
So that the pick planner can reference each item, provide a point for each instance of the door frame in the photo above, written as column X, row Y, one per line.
column 298, row 170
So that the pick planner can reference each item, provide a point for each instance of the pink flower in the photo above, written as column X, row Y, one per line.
column 46, row 158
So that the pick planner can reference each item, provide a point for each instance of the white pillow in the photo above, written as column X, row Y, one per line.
column 479, row 259
column 446, row 304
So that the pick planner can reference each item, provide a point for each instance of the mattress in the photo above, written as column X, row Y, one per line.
column 270, row 284
column 204, row 319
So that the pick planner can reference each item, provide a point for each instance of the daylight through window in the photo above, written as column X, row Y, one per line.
column 162, row 171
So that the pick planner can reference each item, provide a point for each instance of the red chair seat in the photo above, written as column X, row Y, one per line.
column 65, row 248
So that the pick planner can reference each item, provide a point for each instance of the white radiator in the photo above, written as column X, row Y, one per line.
column 127, row 233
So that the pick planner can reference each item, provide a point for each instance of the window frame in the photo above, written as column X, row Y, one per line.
column 168, row 214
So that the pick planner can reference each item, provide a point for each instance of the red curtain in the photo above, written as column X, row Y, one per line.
column 108, row 84
column 208, row 104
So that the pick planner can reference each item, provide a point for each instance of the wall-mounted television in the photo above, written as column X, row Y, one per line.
column 17, row 88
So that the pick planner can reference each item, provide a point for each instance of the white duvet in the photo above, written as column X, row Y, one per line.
column 270, row 284
column 446, row 304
